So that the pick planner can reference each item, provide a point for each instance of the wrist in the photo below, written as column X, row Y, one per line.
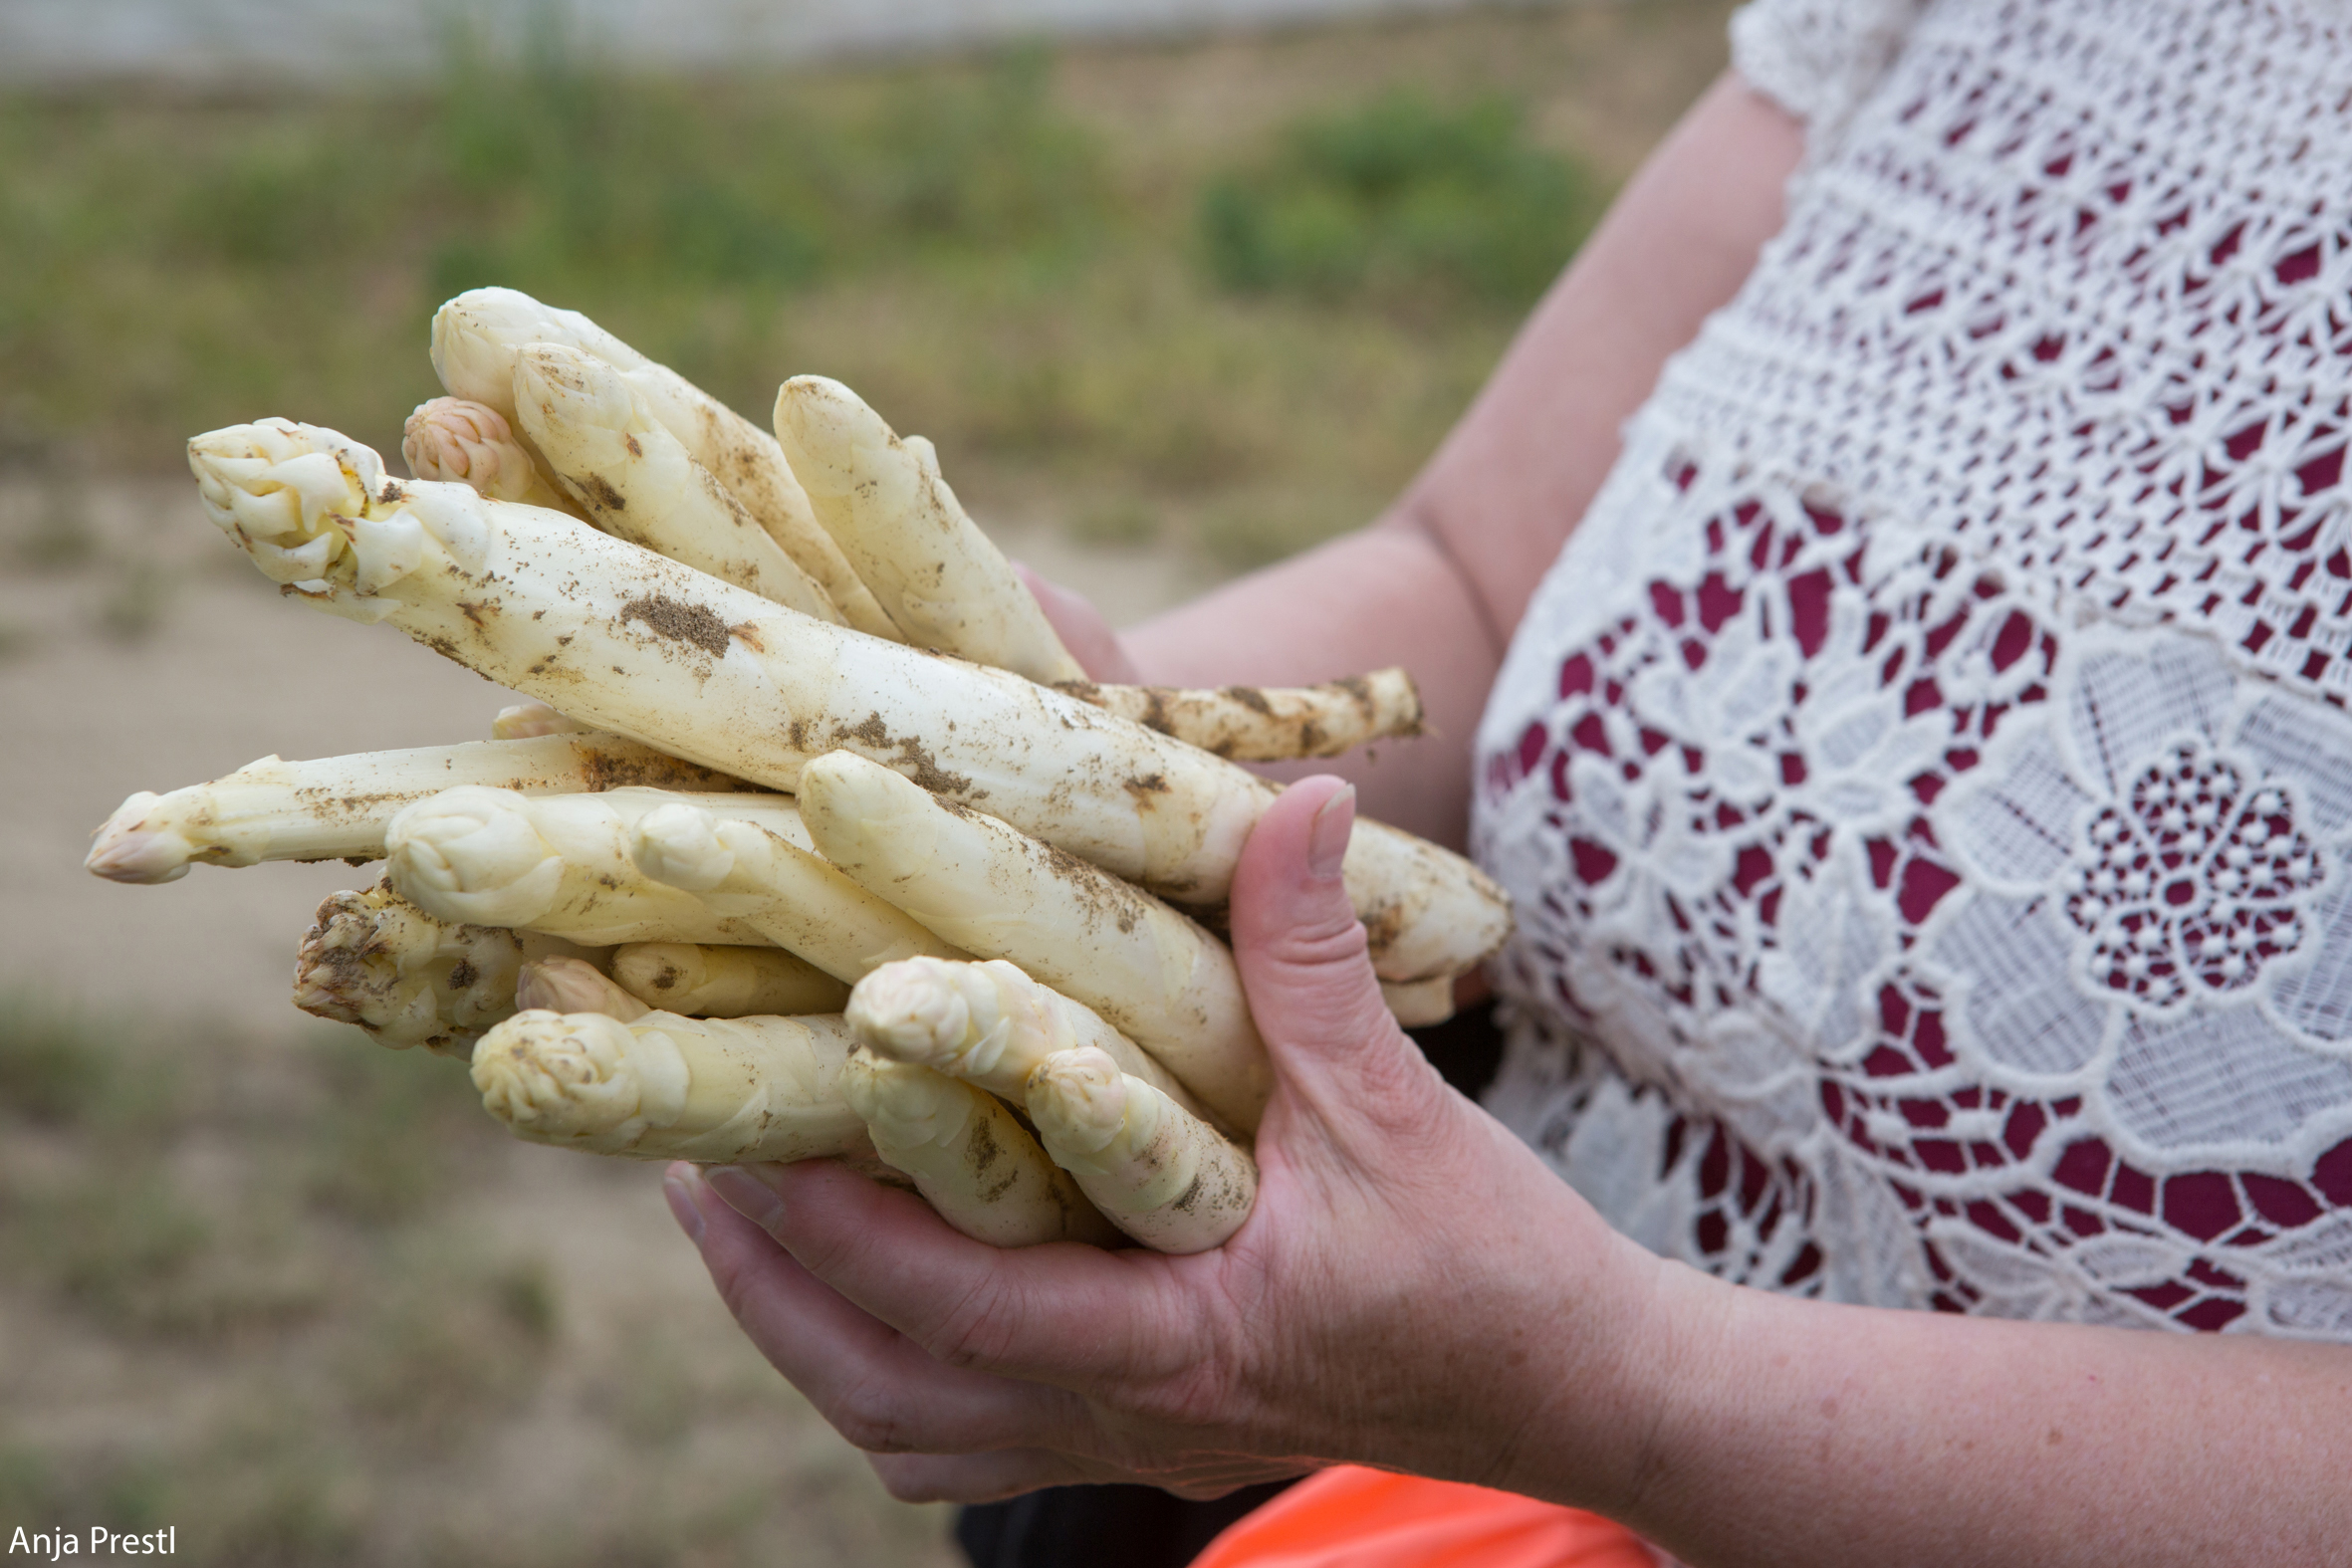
column 1645, row 1358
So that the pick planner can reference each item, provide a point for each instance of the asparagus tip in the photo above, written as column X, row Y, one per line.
column 1078, row 1098
column 909, row 1012
column 472, row 854
column 558, row 1075
column 126, row 850
column 679, row 846
column 569, row 985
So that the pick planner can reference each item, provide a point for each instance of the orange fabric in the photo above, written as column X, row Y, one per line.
column 1349, row 1518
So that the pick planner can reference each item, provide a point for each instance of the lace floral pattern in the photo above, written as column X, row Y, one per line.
column 1925, row 780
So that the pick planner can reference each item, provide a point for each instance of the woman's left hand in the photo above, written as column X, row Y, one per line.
column 1413, row 1288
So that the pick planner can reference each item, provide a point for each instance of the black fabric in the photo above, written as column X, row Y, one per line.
column 1467, row 1049
column 1100, row 1528
column 1142, row 1526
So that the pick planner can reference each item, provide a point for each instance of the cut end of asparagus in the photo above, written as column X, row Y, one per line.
column 374, row 960
column 472, row 854
column 1078, row 1099
column 569, row 985
column 679, row 846
column 127, row 850
column 560, row 1077
column 911, row 1011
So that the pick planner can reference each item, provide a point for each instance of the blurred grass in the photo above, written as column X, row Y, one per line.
column 247, row 1290
column 1253, row 334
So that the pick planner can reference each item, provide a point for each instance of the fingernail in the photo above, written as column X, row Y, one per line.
column 747, row 1195
column 682, row 1209
column 1326, row 839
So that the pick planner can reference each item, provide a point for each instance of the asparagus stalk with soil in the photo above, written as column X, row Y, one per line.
column 477, row 337
column 336, row 808
column 636, row 481
column 1270, row 724
column 1149, row 971
column 559, row 865
column 774, row 886
column 625, row 640
column 663, row 1087
column 969, row 1157
column 989, row 1025
column 1156, row 1170
column 373, row 959
column 934, row 571
column 725, row 982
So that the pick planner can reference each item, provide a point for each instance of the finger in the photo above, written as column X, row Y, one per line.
column 1072, row 1316
column 879, row 1389
column 1303, row 956
column 1081, row 628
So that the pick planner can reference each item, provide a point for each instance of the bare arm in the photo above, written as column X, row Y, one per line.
column 1438, row 583
column 1799, row 1433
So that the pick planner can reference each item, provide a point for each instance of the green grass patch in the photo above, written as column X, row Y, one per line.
column 1404, row 200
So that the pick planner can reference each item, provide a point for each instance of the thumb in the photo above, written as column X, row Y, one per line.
column 1081, row 627
column 1305, row 960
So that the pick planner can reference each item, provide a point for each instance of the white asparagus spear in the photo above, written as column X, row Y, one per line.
column 775, row 884
column 1420, row 1002
column 989, row 1025
column 472, row 443
column 525, row 721
column 725, row 982
column 933, row 569
column 559, row 864
column 373, row 959
column 477, row 336
column 1151, row 973
column 975, row 1164
column 1270, row 724
column 568, row 985
column 628, row 641
column 336, row 807
column 1157, row 1172
column 636, row 481
column 663, row 1087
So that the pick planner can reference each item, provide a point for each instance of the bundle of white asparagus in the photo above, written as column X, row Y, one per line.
column 815, row 841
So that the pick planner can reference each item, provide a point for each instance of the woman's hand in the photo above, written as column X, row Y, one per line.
column 1413, row 1287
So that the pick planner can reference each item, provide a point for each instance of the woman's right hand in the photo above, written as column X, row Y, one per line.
column 1414, row 1288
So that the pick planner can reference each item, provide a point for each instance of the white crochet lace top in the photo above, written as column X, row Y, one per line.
column 1925, row 779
